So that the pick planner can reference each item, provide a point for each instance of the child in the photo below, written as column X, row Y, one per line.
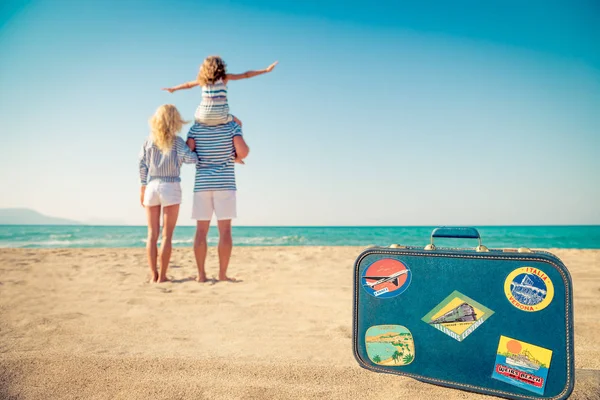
column 213, row 77
column 160, row 162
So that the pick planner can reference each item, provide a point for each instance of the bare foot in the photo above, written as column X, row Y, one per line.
column 154, row 277
column 201, row 278
column 163, row 279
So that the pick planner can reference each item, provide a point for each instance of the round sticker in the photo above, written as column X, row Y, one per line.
column 528, row 289
column 386, row 278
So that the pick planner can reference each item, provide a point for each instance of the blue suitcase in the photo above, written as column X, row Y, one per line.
column 492, row 321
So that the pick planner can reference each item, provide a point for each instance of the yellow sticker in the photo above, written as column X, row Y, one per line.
column 529, row 289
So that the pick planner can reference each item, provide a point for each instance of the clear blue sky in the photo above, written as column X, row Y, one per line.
column 379, row 112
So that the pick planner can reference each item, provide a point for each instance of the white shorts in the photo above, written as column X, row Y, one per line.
column 162, row 194
column 221, row 202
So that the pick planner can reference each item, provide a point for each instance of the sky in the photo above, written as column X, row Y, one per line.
column 379, row 112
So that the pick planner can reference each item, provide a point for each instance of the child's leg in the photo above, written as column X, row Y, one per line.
column 236, row 120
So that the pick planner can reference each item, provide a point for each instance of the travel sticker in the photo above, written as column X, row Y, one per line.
column 528, row 289
column 390, row 345
column 522, row 364
column 457, row 316
column 386, row 278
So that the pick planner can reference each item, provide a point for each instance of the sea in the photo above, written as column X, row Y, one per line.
column 84, row 236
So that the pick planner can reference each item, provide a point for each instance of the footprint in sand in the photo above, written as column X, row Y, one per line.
column 345, row 331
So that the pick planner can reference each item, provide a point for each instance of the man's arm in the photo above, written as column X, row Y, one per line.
column 241, row 148
column 251, row 74
column 187, row 85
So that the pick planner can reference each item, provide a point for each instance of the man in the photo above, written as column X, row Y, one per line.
column 215, row 189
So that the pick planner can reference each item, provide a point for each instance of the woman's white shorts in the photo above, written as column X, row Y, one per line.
column 162, row 194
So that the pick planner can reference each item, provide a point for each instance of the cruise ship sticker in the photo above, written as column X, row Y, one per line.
column 522, row 364
column 386, row 278
column 390, row 345
column 529, row 289
column 457, row 316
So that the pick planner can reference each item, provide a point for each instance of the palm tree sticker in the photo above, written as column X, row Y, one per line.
column 390, row 345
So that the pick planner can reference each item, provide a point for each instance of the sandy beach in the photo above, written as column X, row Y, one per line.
column 84, row 323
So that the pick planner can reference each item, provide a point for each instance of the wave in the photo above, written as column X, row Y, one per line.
column 61, row 236
column 583, row 237
column 271, row 240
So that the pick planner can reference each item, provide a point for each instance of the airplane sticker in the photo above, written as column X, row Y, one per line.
column 386, row 278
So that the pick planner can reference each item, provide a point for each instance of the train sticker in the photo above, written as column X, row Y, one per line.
column 529, row 289
column 457, row 316
column 390, row 345
column 386, row 278
column 522, row 364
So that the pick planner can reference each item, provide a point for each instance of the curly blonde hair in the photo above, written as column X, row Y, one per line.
column 212, row 69
column 164, row 125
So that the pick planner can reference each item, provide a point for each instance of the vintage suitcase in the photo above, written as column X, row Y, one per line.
column 493, row 321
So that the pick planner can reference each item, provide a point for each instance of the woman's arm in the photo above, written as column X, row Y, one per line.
column 187, row 85
column 251, row 74
column 191, row 143
column 143, row 168
column 184, row 153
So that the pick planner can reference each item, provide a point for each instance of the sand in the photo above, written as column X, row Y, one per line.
column 84, row 323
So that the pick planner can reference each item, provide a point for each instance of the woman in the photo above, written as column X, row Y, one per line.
column 160, row 160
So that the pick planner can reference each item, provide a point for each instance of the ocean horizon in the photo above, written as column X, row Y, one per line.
column 119, row 236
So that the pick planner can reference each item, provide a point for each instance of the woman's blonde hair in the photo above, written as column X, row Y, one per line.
column 211, row 70
column 164, row 125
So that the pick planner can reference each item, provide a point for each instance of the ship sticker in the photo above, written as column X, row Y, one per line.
column 457, row 316
column 529, row 289
column 522, row 364
column 390, row 345
column 386, row 278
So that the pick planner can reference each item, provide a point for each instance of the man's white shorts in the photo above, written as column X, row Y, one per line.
column 162, row 194
column 221, row 202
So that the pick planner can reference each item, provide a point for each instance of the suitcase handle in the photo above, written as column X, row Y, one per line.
column 456, row 232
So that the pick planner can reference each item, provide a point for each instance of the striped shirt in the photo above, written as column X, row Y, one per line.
column 214, row 109
column 214, row 146
column 154, row 165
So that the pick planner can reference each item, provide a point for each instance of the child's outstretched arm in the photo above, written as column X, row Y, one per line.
column 187, row 85
column 251, row 74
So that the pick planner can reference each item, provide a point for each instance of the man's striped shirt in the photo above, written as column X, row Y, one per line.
column 214, row 145
column 164, row 167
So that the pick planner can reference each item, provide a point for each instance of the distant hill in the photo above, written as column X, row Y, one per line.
column 26, row 216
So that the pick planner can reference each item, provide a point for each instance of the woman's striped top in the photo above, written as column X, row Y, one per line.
column 165, row 167
column 214, row 146
column 213, row 109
